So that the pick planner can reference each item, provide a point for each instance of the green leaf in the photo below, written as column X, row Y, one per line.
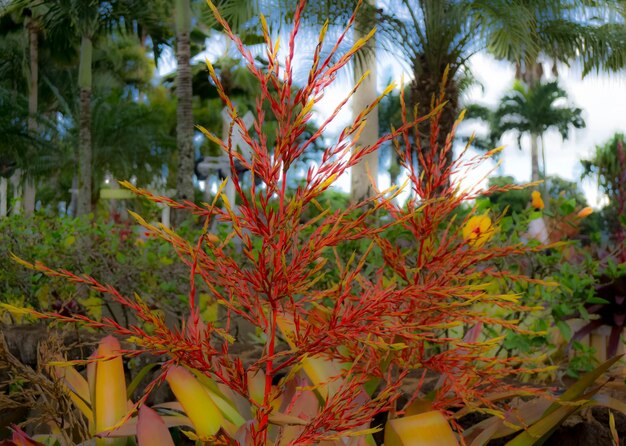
column 69, row 241
column 371, row 386
column 565, row 329
column 541, row 430
column 482, row 204
column 506, row 224
column 610, row 402
column 138, row 378
column 577, row 389
column 568, row 207
column 166, row 260
column 596, row 300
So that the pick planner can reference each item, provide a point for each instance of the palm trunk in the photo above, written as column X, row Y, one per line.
column 85, row 154
column 16, row 185
column 544, row 173
column 72, row 208
column 184, row 117
column 532, row 76
column 4, row 186
column 361, row 185
column 33, row 37
column 426, row 86
column 534, row 157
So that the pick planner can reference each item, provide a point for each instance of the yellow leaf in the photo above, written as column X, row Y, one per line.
column 325, row 374
column 93, row 305
column 76, row 387
column 109, row 402
column 614, row 433
column 425, row 429
column 208, row 310
column 256, row 385
column 199, row 407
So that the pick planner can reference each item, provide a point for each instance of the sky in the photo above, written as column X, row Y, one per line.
column 602, row 98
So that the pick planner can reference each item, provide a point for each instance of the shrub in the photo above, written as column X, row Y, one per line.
column 124, row 256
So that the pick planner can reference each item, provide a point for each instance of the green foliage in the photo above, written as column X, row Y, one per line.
column 604, row 164
column 608, row 167
column 124, row 256
column 513, row 201
column 565, row 195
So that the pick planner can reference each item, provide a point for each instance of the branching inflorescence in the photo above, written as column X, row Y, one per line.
column 419, row 314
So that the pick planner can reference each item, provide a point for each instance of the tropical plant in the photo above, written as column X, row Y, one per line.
column 127, row 135
column 609, row 165
column 581, row 32
column 85, row 21
column 15, row 71
column 532, row 111
column 438, row 34
column 538, row 418
column 419, row 312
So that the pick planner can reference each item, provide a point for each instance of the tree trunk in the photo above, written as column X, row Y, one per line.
column 544, row 173
column 33, row 87
column 16, row 185
column 534, row 157
column 72, row 208
column 424, row 88
column 4, row 186
column 184, row 117
column 361, row 186
column 85, row 154
column 30, row 195
column 532, row 76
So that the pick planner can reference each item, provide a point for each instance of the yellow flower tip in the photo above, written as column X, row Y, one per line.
column 213, row 238
column 585, row 212
column 478, row 230
column 198, row 405
column 536, row 200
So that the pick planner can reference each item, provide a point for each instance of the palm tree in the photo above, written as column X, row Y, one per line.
column 121, row 69
column 442, row 34
column 22, row 23
column 532, row 111
column 20, row 31
column 87, row 21
column 32, row 26
column 361, row 187
column 566, row 31
column 184, row 116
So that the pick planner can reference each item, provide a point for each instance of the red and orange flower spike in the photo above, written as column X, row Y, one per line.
column 376, row 323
